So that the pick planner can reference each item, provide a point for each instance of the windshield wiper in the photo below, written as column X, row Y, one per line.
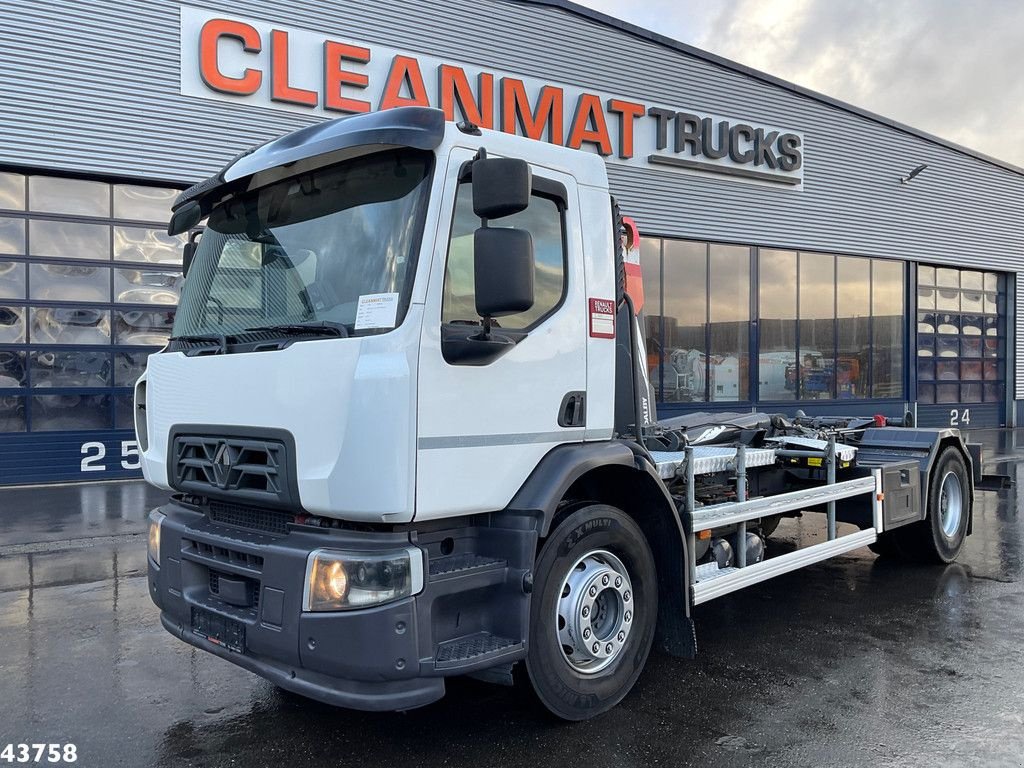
column 322, row 328
column 213, row 338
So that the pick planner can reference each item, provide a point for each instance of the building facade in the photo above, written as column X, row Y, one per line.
column 790, row 261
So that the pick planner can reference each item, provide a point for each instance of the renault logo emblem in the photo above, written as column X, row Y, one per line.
column 223, row 462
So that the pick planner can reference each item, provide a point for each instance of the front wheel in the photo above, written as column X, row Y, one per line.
column 593, row 613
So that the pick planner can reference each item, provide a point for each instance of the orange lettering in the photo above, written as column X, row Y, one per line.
column 454, row 88
column 404, row 70
column 628, row 112
column 589, row 110
column 335, row 77
column 209, row 37
column 279, row 88
column 515, row 111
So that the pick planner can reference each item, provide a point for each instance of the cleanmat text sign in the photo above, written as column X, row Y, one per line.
column 251, row 62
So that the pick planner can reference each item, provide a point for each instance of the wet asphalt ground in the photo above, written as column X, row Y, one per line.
column 854, row 661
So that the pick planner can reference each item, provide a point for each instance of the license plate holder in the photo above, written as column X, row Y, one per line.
column 219, row 630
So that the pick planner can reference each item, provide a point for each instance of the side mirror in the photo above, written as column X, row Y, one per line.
column 501, row 186
column 184, row 218
column 189, row 252
column 503, row 267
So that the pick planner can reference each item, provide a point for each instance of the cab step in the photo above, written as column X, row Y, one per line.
column 453, row 565
column 475, row 651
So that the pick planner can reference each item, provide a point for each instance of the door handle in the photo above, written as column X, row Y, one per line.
column 573, row 410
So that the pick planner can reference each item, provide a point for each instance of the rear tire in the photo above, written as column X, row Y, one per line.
column 593, row 613
column 940, row 537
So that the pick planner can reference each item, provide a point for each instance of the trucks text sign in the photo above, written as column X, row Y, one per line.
column 246, row 61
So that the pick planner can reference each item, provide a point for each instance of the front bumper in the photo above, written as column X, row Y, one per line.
column 389, row 657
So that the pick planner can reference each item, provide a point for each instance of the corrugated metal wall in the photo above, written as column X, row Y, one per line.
column 94, row 86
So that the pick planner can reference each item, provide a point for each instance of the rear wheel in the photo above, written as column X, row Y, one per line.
column 593, row 613
column 940, row 537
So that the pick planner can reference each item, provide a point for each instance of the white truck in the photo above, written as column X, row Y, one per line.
column 406, row 419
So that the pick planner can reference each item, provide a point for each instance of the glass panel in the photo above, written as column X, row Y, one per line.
column 926, row 394
column 970, row 370
column 12, row 192
column 989, row 305
column 947, row 278
column 926, row 345
column 157, row 247
column 991, row 281
column 991, row 347
column 777, row 365
column 12, row 325
column 128, row 366
column 70, row 325
column 74, row 197
column 970, row 301
column 52, row 413
column 140, row 203
column 887, row 323
column 12, row 280
column 971, row 281
column 925, row 275
column 926, row 298
column 970, row 347
column 12, row 369
column 971, row 325
column 684, row 362
column 142, row 328
column 12, row 414
column 650, row 267
column 70, row 282
column 949, row 324
column 947, row 393
column 124, row 412
column 926, row 322
column 87, row 368
column 925, row 369
column 970, row 393
column 729, row 310
column 12, row 236
column 69, row 240
column 817, row 326
column 947, row 370
column 147, row 286
column 991, row 326
column 853, row 306
column 948, row 300
column 992, row 392
column 990, row 370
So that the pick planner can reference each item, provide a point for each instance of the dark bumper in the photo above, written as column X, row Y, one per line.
column 388, row 657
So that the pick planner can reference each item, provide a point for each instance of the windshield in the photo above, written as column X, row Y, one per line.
column 335, row 246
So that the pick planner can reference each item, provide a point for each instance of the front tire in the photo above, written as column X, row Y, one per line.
column 593, row 613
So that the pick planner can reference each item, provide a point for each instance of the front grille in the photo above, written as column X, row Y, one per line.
column 251, row 518
column 247, row 468
column 222, row 554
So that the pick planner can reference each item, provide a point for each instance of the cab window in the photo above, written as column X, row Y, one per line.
column 545, row 221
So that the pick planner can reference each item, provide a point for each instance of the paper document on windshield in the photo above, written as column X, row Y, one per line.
column 377, row 310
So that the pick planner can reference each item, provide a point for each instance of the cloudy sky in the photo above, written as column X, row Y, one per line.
column 954, row 68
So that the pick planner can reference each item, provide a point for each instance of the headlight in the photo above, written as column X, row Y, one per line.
column 156, row 519
column 344, row 581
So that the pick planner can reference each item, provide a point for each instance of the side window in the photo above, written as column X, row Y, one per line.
column 544, row 220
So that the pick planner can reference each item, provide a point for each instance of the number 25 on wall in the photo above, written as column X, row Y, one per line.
column 94, row 453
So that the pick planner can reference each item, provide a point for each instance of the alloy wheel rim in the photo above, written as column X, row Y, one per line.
column 594, row 612
column 951, row 503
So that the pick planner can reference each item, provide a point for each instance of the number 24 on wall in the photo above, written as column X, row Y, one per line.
column 960, row 418
column 94, row 453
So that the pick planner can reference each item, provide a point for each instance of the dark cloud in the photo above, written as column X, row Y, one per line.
column 952, row 68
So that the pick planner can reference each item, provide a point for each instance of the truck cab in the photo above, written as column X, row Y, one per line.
column 405, row 417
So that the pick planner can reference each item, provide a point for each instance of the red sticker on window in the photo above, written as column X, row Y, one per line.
column 602, row 318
